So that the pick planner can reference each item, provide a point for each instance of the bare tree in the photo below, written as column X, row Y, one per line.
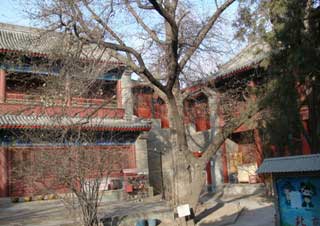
column 66, row 157
column 77, row 172
column 158, row 41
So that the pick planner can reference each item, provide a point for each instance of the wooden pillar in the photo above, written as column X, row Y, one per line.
column 259, row 150
column 4, row 172
column 209, row 176
column 224, row 157
column 306, row 150
column 2, row 86
column 273, row 151
column 186, row 106
column 258, row 142
column 225, row 164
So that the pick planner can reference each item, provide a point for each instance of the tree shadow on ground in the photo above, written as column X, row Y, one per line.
column 5, row 203
column 37, row 211
column 221, row 201
column 207, row 212
column 255, row 217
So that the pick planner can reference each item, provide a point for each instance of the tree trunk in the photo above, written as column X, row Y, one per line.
column 188, row 177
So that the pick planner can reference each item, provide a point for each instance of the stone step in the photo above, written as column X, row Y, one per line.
column 243, row 189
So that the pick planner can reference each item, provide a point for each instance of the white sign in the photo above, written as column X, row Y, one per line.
column 183, row 210
column 295, row 199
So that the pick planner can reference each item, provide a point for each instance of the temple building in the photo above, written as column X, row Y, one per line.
column 50, row 92
column 34, row 117
column 210, row 104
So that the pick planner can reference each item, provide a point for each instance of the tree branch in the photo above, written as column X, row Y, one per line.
column 139, row 20
column 203, row 32
column 222, row 135
column 172, row 33
column 102, row 23
column 141, row 6
column 164, row 13
column 141, row 69
column 105, row 25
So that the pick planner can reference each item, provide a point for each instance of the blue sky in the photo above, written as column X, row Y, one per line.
column 12, row 12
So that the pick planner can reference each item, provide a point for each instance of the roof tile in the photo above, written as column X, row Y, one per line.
column 300, row 163
column 17, row 121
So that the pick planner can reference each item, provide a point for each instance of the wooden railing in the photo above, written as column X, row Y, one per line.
column 80, row 101
column 27, row 104
column 23, row 98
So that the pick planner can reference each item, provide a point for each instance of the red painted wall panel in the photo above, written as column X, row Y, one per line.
column 63, row 111
column 26, row 186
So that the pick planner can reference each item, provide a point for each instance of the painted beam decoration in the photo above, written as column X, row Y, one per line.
column 299, row 201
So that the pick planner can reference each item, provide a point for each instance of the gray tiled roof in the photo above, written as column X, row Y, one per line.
column 43, row 42
column 250, row 56
column 22, row 121
column 24, row 39
column 300, row 163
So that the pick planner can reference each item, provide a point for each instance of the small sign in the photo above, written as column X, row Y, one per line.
column 295, row 199
column 183, row 210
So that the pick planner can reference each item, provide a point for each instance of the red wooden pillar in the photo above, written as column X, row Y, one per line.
column 224, row 157
column 306, row 150
column 259, row 150
column 209, row 176
column 225, row 164
column 164, row 116
column 186, row 113
column 119, row 94
column 258, row 142
column 273, row 150
column 2, row 86
column 4, row 172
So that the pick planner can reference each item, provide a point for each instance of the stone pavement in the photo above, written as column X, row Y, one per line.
column 223, row 215
column 54, row 212
column 258, row 212
column 249, row 210
column 40, row 213
column 218, row 211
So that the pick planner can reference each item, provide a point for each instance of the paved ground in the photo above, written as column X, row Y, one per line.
column 258, row 217
column 254, row 211
column 257, row 212
column 240, row 211
column 222, row 214
column 54, row 212
column 40, row 213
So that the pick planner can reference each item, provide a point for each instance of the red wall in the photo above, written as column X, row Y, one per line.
column 148, row 106
column 63, row 111
column 20, row 186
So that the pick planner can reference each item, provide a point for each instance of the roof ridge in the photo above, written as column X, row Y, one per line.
column 42, row 42
column 20, row 28
column 115, row 120
column 25, row 121
column 293, row 157
column 249, row 46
